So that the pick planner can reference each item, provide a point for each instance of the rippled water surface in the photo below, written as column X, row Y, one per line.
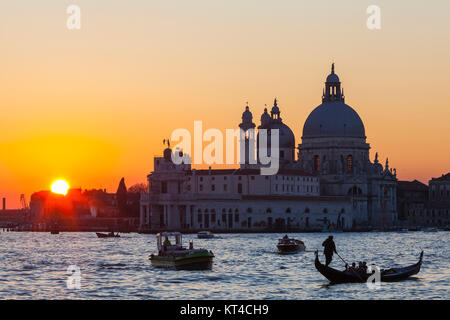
column 247, row 266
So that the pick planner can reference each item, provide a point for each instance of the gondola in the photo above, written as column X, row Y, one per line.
column 107, row 235
column 387, row 275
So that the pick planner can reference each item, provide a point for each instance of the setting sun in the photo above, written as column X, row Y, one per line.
column 60, row 187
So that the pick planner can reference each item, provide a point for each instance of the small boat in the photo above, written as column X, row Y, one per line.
column 54, row 232
column 107, row 235
column 347, row 276
column 205, row 235
column 288, row 245
column 430, row 230
column 177, row 257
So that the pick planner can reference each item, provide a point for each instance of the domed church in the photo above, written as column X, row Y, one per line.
column 328, row 183
column 334, row 147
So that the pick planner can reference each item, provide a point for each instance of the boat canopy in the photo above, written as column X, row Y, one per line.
column 168, row 234
column 160, row 241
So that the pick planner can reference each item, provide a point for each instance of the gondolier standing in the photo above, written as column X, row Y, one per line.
column 329, row 249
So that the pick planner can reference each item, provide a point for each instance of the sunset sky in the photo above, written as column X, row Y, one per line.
column 93, row 105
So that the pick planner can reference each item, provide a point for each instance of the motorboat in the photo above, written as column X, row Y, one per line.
column 205, row 235
column 289, row 245
column 173, row 255
column 107, row 235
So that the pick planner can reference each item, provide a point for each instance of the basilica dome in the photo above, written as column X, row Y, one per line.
column 333, row 118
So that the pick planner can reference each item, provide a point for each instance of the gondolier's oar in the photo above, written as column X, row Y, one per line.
column 341, row 258
column 359, row 276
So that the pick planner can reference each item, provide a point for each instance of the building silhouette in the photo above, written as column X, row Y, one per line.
column 331, row 184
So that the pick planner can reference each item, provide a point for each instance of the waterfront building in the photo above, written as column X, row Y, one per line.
column 435, row 212
column 411, row 195
column 330, row 183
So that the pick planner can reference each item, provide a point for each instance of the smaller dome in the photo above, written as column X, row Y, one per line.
column 275, row 109
column 265, row 117
column 333, row 78
column 287, row 138
column 247, row 115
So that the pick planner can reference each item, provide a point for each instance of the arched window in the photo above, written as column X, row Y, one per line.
column 249, row 210
column 316, row 163
column 350, row 163
column 288, row 210
column 325, row 210
column 306, row 210
column 224, row 216
column 269, row 210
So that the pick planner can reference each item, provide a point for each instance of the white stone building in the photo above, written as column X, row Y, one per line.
column 332, row 183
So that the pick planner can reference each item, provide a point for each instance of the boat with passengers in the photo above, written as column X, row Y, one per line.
column 172, row 254
column 288, row 245
column 353, row 276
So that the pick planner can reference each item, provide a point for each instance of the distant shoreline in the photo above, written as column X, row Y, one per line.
column 235, row 231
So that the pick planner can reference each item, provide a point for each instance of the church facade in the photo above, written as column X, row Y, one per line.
column 327, row 182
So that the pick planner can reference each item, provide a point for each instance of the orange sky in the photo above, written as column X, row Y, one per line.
column 93, row 105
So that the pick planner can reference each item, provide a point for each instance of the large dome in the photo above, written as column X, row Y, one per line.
column 333, row 119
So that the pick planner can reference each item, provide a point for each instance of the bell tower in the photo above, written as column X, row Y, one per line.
column 248, row 127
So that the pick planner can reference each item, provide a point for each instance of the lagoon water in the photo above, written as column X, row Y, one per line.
column 247, row 266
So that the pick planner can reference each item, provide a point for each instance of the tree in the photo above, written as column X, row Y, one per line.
column 138, row 188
